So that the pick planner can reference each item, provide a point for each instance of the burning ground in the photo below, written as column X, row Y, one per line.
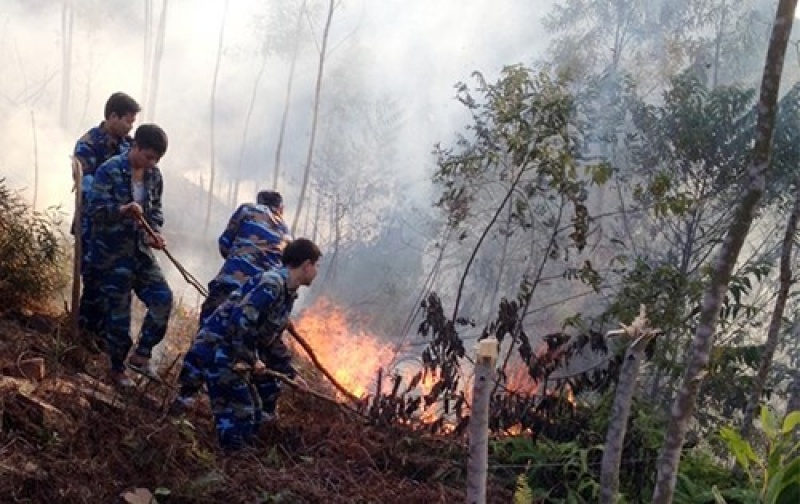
column 67, row 437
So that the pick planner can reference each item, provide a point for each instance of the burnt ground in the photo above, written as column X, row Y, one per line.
column 68, row 437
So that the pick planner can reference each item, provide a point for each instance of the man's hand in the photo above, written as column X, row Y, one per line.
column 259, row 368
column 156, row 241
column 301, row 382
column 132, row 209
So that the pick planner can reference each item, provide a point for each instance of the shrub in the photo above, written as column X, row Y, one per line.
column 31, row 269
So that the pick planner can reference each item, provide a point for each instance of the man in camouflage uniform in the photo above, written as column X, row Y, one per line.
column 126, row 189
column 252, row 242
column 96, row 146
column 242, row 338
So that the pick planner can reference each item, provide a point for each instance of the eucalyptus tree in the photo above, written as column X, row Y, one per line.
column 323, row 54
column 358, row 176
column 155, row 62
column 212, row 119
column 67, row 29
column 282, row 31
column 656, row 40
column 684, row 158
column 786, row 156
column 702, row 343
column 517, row 176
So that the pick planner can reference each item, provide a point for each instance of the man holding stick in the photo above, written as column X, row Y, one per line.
column 243, row 338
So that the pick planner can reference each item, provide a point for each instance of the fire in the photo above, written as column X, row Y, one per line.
column 351, row 355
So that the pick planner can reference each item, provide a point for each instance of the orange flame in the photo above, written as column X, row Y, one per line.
column 351, row 355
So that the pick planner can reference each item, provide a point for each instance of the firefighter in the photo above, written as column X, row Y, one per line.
column 126, row 190
column 99, row 144
column 252, row 242
column 243, row 337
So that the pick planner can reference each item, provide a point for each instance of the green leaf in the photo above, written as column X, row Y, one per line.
column 784, row 484
column 769, row 422
column 718, row 498
column 791, row 421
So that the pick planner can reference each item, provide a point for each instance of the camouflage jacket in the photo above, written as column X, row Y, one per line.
column 96, row 147
column 252, row 242
column 112, row 187
column 248, row 325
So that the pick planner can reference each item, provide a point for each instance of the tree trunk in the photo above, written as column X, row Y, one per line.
column 147, row 49
column 317, row 211
column 67, row 25
column 315, row 117
column 774, row 331
column 793, row 402
column 474, row 253
column 247, row 118
column 35, row 162
column 150, row 110
column 288, row 98
column 478, row 463
column 330, row 272
column 213, row 103
column 77, row 177
column 683, row 406
column 618, row 425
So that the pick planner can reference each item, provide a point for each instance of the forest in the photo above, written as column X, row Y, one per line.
column 613, row 195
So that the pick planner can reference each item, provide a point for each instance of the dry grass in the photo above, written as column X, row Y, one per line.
column 316, row 452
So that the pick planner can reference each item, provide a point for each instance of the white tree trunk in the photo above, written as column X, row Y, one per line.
column 213, row 106
column 77, row 177
column 700, row 350
column 288, row 97
column 315, row 117
column 615, row 437
column 478, row 464
column 67, row 25
column 155, row 70
column 774, row 331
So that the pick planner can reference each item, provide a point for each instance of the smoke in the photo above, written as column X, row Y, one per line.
column 411, row 53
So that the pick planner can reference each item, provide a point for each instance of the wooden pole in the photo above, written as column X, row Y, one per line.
column 478, row 464
column 77, row 176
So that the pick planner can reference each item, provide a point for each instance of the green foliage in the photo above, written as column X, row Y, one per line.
column 523, row 493
column 568, row 469
column 702, row 479
column 30, row 245
column 559, row 472
column 774, row 475
column 523, row 138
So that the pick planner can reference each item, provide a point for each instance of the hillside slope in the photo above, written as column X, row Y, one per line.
column 68, row 437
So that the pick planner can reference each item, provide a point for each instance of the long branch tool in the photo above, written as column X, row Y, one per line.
column 184, row 272
column 290, row 326
column 247, row 372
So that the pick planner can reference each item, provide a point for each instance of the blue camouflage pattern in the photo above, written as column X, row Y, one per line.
column 253, row 241
column 124, row 262
column 246, row 327
column 94, row 148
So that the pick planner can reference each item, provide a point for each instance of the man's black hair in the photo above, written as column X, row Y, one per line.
column 272, row 199
column 150, row 136
column 121, row 104
column 300, row 251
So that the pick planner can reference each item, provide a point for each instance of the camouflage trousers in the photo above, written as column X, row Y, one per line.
column 239, row 402
column 140, row 274
column 91, row 308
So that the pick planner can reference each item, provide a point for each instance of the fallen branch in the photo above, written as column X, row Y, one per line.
column 282, row 377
